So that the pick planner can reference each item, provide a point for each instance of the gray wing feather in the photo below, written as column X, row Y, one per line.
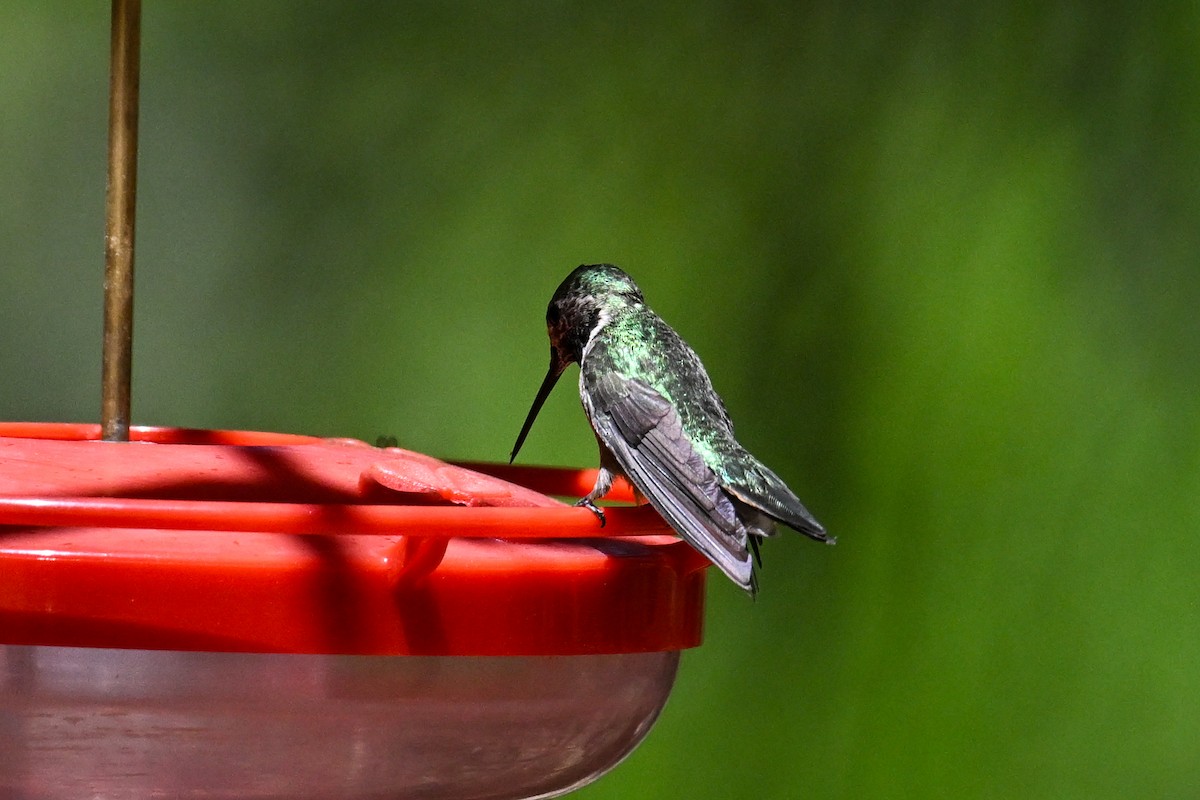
column 757, row 486
column 646, row 437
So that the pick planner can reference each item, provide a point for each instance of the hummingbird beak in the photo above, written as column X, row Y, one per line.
column 557, row 365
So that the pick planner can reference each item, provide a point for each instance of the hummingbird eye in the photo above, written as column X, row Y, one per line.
column 553, row 315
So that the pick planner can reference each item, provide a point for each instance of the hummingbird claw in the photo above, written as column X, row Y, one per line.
column 585, row 502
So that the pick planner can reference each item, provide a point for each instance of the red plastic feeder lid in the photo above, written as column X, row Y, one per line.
column 256, row 542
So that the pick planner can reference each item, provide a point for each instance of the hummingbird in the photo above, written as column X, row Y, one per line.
column 661, row 425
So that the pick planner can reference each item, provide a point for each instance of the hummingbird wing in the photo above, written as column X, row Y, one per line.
column 644, row 433
column 751, row 482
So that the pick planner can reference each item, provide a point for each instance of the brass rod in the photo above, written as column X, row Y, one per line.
column 119, row 212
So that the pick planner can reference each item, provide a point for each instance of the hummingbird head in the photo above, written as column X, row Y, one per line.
column 582, row 304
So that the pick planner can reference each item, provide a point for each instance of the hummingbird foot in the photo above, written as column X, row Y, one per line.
column 604, row 480
column 586, row 502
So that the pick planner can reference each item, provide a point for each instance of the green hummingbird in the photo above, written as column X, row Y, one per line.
column 660, row 424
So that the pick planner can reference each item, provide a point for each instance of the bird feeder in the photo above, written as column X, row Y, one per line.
column 233, row 614
column 228, row 614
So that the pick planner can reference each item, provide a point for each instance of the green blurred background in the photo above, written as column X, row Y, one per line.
column 940, row 260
